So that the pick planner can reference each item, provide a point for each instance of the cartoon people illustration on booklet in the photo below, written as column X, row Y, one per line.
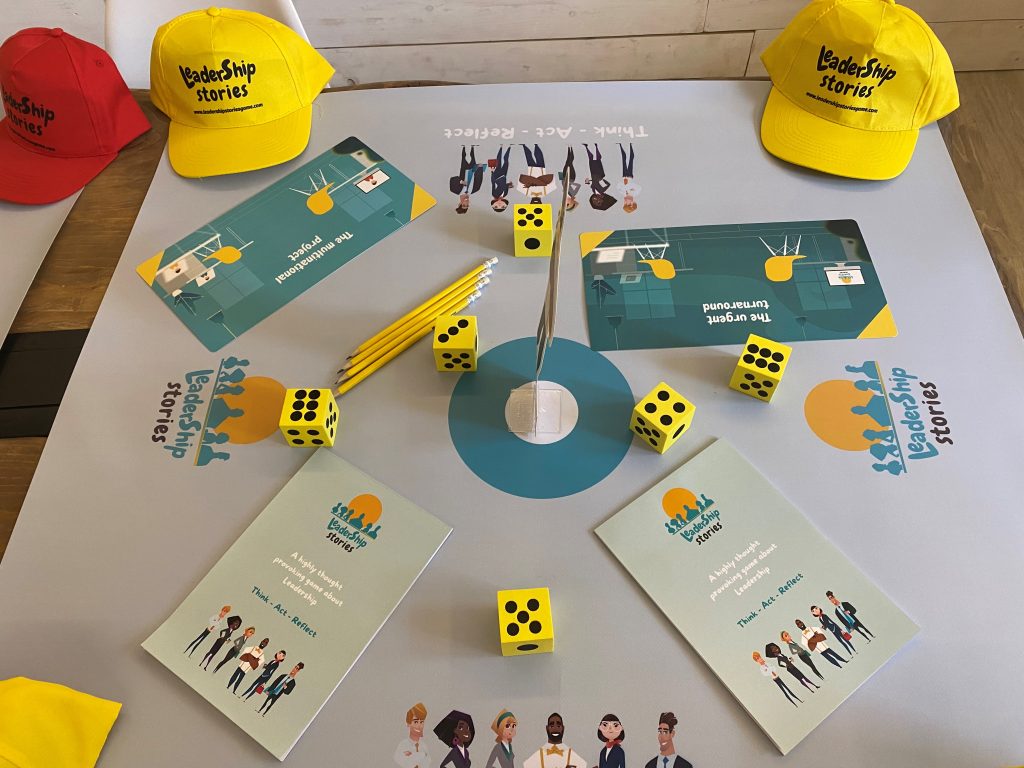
column 611, row 733
column 236, row 647
column 499, row 180
column 504, row 727
column 213, row 623
column 815, row 642
column 771, row 673
column 456, row 731
column 536, row 183
column 282, row 686
column 250, row 660
column 773, row 651
column 841, row 635
column 668, row 756
column 234, row 622
column 266, row 673
column 847, row 614
column 469, row 180
column 629, row 188
column 797, row 650
column 600, row 200
column 555, row 753
column 412, row 752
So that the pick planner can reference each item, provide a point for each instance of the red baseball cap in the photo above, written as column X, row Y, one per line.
column 68, row 115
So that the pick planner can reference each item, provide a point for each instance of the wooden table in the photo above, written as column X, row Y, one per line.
column 983, row 137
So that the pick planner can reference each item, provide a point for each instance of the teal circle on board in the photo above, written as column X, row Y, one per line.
column 587, row 455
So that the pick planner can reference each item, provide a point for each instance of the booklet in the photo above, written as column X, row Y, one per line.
column 243, row 266
column 779, row 614
column 281, row 618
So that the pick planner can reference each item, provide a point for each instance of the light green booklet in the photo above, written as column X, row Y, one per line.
column 738, row 569
column 278, row 622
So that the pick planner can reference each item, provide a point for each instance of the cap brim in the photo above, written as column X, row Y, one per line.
column 196, row 152
column 32, row 178
column 798, row 137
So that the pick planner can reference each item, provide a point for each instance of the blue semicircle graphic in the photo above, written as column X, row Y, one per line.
column 588, row 454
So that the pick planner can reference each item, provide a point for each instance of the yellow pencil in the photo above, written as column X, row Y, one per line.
column 400, row 332
column 351, row 382
column 426, row 319
column 470, row 277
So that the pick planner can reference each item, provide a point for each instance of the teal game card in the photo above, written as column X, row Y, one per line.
column 779, row 614
column 703, row 286
column 275, row 626
column 224, row 278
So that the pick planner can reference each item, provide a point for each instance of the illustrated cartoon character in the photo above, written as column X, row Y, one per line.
column 611, row 733
column 259, row 684
column 412, row 752
column 234, row 622
column 504, row 727
column 847, row 614
column 841, row 635
column 469, row 180
column 499, row 181
column 767, row 671
column 798, row 650
column 572, row 186
column 236, row 648
column 536, row 182
column 629, row 188
column 283, row 686
column 211, row 624
column 456, row 731
column 600, row 200
column 667, row 756
column 555, row 754
column 814, row 641
column 250, row 660
column 773, row 651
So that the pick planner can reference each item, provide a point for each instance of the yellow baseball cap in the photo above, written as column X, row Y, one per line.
column 238, row 87
column 853, row 81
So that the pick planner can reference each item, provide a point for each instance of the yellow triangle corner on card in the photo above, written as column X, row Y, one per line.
column 883, row 326
column 147, row 270
column 422, row 201
column 590, row 240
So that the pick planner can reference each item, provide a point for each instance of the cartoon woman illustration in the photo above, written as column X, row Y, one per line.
column 629, row 188
column 772, row 651
column 536, row 182
column 768, row 672
column 469, row 180
column 499, row 181
column 814, row 641
column 798, row 650
column 236, row 648
column 234, row 622
column 611, row 732
column 504, row 727
column 456, row 731
column 600, row 200
column 211, row 624
column 840, row 634
column 251, row 659
column 568, row 177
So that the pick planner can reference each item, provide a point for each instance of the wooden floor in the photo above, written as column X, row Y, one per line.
column 984, row 138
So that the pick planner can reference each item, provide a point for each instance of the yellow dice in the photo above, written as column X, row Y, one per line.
column 760, row 367
column 534, row 227
column 661, row 417
column 309, row 417
column 456, row 343
column 524, row 621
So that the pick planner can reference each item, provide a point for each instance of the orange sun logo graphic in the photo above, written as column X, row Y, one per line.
column 676, row 500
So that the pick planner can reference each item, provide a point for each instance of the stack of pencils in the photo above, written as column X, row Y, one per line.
column 383, row 347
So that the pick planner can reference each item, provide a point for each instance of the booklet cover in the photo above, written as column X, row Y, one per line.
column 278, row 622
column 782, row 617
column 243, row 266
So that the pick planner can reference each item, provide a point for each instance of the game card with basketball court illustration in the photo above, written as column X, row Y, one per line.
column 709, row 285
column 246, row 264
column 282, row 617
column 780, row 615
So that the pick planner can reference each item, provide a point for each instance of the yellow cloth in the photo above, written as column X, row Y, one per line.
column 45, row 725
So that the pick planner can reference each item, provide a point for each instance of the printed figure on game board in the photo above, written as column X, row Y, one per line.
column 840, row 634
column 250, row 660
column 265, row 674
column 629, row 188
column 600, row 200
column 536, row 182
column 611, row 733
column 773, row 651
column 798, row 650
column 814, row 641
column 499, row 181
column 469, row 180
column 236, row 648
column 211, row 624
column 283, row 686
column 667, row 756
column 456, row 731
column 504, row 727
column 555, row 754
column 234, row 622
column 573, row 186
column 412, row 752
column 847, row 614
column 770, row 673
